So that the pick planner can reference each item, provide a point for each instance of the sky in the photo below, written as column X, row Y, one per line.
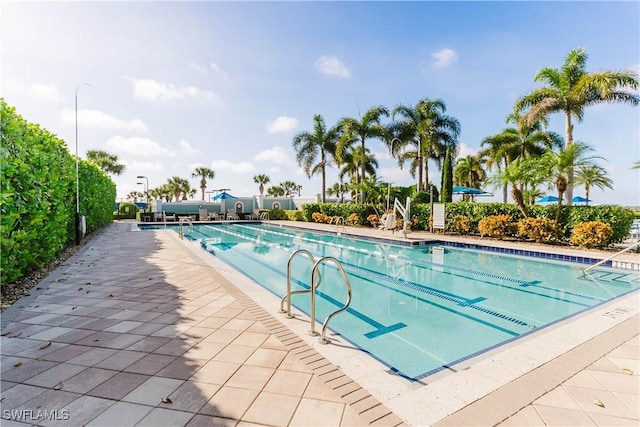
column 227, row 85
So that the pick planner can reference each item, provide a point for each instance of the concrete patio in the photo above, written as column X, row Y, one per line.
column 139, row 329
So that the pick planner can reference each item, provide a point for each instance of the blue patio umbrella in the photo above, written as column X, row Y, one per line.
column 547, row 199
column 468, row 190
column 223, row 196
column 579, row 199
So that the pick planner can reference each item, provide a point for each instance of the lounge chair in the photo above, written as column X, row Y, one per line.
column 232, row 215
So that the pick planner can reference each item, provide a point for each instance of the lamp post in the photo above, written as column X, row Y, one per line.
column 299, row 188
column 146, row 191
column 419, row 165
column 77, row 167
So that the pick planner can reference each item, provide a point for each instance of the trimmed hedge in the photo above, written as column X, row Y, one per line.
column 37, row 203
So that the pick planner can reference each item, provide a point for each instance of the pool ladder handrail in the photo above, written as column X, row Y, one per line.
column 315, row 286
column 287, row 296
column 338, row 220
column 264, row 216
column 628, row 248
column 180, row 226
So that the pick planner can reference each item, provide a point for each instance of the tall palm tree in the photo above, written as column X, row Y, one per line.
column 469, row 172
column 204, row 173
column 321, row 143
column 514, row 174
column 177, row 185
column 134, row 195
column 105, row 161
column 571, row 89
column 261, row 179
column 352, row 161
column 530, row 138
column 558, row 166
column 592, row 175
column 276, row 191
column 288, row 187
column 429, row 129
column 339, row 189
column 358, row 131
column 496, row 154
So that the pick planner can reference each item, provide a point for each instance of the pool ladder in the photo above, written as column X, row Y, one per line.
column 315, row 283
column 181, row 226
column 339, row 222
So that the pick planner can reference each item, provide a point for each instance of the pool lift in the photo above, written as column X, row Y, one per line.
column 315, row 283
column 404, row 212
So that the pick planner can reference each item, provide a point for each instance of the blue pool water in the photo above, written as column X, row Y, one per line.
column 418, row 309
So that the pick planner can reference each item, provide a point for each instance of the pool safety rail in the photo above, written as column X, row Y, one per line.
column 315, row 283
column 628, row 248
column 181, row 226
column 339, row 222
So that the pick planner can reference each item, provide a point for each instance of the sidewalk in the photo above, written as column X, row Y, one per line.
column 137, row 330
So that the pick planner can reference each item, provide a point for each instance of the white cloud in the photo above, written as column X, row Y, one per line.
column 44, row 92
column 276, row 155
column 152, row 90
column 198, row 68
column 187, row 148
column 332, row 66
column 98, row 119
column 240, row 167
column 282, row 124
column 465, row 150
column 444, row 58
column 138, row 146
column 275, row 169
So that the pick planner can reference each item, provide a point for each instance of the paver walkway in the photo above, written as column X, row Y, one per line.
column 136, row 330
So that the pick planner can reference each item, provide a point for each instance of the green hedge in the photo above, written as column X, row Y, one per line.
column 618, row 217
column 37, row 203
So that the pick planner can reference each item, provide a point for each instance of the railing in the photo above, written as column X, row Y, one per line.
column 180, row 226
column 264, row 216
column 287, row 296
column 628, row 248
column 315, row 283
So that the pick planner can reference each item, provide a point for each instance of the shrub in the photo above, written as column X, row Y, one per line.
column 537, row 229
column 592, row 234
column 353, row 219
column 374, row 220
column 320, row 217
column 277, row 214
column 498, row 226
column 294, row 215
column 127, row 210
column 461, row 224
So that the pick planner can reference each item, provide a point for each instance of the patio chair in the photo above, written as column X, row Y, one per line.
column 232, row 215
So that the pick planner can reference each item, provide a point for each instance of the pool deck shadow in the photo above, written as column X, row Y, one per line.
column 138, row 328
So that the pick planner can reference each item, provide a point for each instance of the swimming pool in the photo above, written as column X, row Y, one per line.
column 417, row 309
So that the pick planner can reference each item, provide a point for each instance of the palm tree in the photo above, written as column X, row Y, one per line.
column 204, row 173
column 469, row 172
column 339, row 189
column 276, row 191
column 558, row 166
column 288, row 187
column 261, row 179
column 429, row 129
column 322, row 142
column 592, row 175
column 636, row 165
column 353, row 159
column 530, row 138
column 517, row 172
column 358, row 131
column 105, row 161
column 177, row 185
column 499, row 155
column 571, row 89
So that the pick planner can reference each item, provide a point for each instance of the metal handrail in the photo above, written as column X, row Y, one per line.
column 289, row 292
column 264, row 215
column 612, row 256
column 315, row 285
column 338, row 221
column 180, row 226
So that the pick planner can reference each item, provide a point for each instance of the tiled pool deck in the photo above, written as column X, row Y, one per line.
column 141, row 328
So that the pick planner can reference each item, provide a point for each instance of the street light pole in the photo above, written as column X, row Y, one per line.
column 419, row 165
column 78, row 168
column 146, row 191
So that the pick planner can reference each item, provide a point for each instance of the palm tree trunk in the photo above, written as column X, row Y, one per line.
column 505, row 191
column 362, row 172
column 559, row 209
column 569, row 138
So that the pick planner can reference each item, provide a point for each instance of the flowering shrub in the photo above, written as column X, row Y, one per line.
column 496, row 226
column 320, row 217
column 537, row 229
column 374, row 220
column 353, row 219
column 461, row 224
column 592, row 234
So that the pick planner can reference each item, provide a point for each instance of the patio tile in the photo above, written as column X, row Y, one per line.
column 191, row 396
column 124, row 326
column 174, row 347
column 308, row 410
column 207, row 421
column 121, row 414
column 152, row 391
column 234, row 353
column 20, row 393
column 82, row 410
column 272, row 409
column 182, row 368
column 27, row 370
column 253, row 377
column 631, row 401
column 88, row 380
column 620, row 382
column 50, row 400
column 165, row 417
column 118, row 386
column 55, row 375
column 230, row 402
column 150, row 364
column 250, row 339
column 215, row 372
column 204, row 350
column 558, row 398
column 266, row 357
column 561, row 417
column 612, row 405
column 92, row 356
column 223, row 336
column 120, row 360
column 288, row 382
column 527, row 417
column 610, row 420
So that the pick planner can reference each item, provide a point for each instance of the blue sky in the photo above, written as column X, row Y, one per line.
column 228, row 85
